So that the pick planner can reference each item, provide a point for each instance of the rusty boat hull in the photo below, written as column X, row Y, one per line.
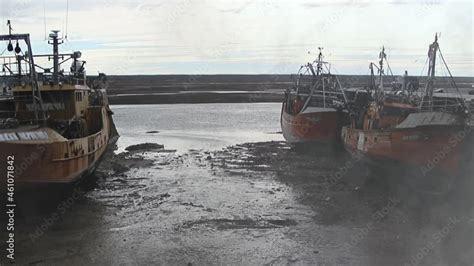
column 433, row 149
column 318, row 125
column 55, row 159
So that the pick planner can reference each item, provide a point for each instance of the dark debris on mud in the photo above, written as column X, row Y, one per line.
column 254, row 194
column 227, row 224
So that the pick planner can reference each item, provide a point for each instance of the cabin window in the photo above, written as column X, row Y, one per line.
column 78, row 96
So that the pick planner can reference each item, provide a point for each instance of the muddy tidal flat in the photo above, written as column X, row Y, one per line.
column 186, row 189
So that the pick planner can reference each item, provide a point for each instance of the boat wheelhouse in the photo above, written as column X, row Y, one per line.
column 56, row 122
column 435, row 137
column 314, row 108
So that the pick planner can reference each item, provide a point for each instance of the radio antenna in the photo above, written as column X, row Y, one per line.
column 67, row 17
column 44, row 18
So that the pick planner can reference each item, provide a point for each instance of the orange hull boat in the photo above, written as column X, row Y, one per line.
column 56, row 125
column 434, row 136
column 314, row 109
column 55, row 159
column 323, row 126
column 426, row 149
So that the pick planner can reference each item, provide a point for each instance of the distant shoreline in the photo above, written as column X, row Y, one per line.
column 169, row 89
column 198, row 97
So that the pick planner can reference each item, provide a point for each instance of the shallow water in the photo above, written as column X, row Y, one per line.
column 185, row 127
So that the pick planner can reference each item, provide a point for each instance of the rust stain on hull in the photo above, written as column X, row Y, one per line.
column 58, row 161
column 321, row 127
column 430, row 148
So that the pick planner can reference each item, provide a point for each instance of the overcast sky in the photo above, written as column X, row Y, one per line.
column 249, row 36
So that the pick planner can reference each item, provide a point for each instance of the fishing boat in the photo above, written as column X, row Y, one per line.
column 393, row 102
column 314, row 107
column 434, row 137
column 56, row 126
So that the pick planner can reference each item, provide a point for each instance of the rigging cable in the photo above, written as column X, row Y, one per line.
column 2, row 7
column 449, row 71
column 67, row 17
column 426, row 85
column 453, row 83
column 44, row 19
column 390, row 70
column 424, row 66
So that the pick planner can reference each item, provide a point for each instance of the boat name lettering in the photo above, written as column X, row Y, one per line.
column 48, row 107
column 32, row 135
column 411, row 138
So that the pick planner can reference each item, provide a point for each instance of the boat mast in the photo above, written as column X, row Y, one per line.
column 320, row 71
column 377, row 91
column 433, row 49
column 371, row 84
column 319, row 65
column 382, row 56
column 54, row 40
column 36, row 93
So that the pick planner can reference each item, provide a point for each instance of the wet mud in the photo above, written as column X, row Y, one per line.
column 251, row 204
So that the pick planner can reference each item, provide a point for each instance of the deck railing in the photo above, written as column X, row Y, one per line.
column 443, row 104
